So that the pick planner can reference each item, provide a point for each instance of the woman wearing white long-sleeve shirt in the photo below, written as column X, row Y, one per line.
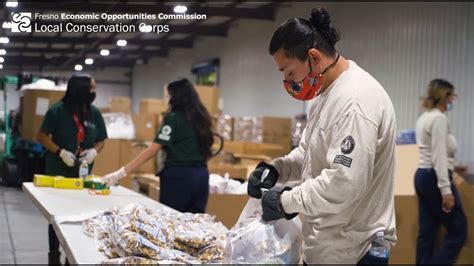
column 438, row 199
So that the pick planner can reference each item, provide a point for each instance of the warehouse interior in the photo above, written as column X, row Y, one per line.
column 403, row 45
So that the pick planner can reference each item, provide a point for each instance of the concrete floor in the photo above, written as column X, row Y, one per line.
column 23, row 229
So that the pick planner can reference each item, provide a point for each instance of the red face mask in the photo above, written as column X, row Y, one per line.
column 309, row 87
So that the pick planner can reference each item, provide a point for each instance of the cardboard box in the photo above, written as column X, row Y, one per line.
column 35, row 104
column 105, row 110
column 406, row 215
column 277, row 130
column 407, row 157
column 226, row 207
column 234, row 146
column 238, row 172
column 144, row 181
column 145, row 126
column 136, row 148
column 406, row 209
column 224, row 126
column 264, row 129
column 116, row 153
column 153, row 106
column 154, row 191
column 250, row 148
column 108, row 160
column 120, row 105
column 209, row 96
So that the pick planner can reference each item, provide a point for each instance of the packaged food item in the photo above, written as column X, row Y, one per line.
column 95, row 183
column 43, row 180
column 68, row 183
column 212, row 254
column 130, row 260
column 252, row 240
column 168, row 236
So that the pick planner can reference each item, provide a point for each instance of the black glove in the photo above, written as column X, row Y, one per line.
column 271, row 206
column 255, row 184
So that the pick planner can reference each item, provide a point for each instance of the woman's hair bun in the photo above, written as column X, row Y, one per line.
column 320, row 19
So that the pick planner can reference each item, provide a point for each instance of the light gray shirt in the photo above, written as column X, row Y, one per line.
column 345, row 166
column 437, row 146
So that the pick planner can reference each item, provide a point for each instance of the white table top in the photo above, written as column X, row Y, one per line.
column 57, row 203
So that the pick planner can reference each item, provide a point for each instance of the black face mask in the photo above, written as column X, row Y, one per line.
column 91, row 97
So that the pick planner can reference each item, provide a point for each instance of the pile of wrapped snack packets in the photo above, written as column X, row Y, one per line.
column 137, row 235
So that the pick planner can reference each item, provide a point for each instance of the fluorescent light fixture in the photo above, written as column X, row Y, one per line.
column 4, row 40
column 89, row 61
column 12, row 4
column 6, row 25
column 104, row 52
column 122, row 42
column 1, row 66
column 2, row 60
column 3, row 52
column 78, row 67
column 180, row 9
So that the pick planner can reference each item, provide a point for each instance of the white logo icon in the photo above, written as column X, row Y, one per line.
column 166, row 130
column 21, row 22
column 145, row 28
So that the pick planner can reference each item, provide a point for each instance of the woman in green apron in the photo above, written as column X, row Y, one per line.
column 73, row 130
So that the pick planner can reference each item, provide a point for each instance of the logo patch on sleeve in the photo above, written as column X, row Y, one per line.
column 347, row 145
column 165, row 133
column 344, row 160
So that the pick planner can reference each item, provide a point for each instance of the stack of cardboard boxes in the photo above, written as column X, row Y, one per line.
column 35, row 104
column 118, row 152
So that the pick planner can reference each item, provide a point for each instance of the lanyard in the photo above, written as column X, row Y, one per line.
column 80, row 132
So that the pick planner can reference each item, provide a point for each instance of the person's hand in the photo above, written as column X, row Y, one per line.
column 461, row 170
column 448, row 203
column 263, row 171
column 271, row 206
column 68, row 157
column 112, row 178
column 89, row 155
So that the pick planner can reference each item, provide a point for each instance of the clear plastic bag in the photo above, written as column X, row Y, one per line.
column 137, row 231
column 119, row 126
column 252, row 240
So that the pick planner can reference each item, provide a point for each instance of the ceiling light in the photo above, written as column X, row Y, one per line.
column 122, row 42
column 1, row 66
column 3, row 52
column 4, row 40
column 78, row 67
column 180, row 9
column 12, row 4
column 104, row 52
column 2, row 60
column 89, row 61
column 6, row 25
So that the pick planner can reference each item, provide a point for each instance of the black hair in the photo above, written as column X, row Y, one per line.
column 185, row 99
column 77, row 94
column 297, row 35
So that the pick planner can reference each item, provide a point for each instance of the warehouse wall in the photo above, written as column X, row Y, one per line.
column 403, row 45
column 110, row 82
